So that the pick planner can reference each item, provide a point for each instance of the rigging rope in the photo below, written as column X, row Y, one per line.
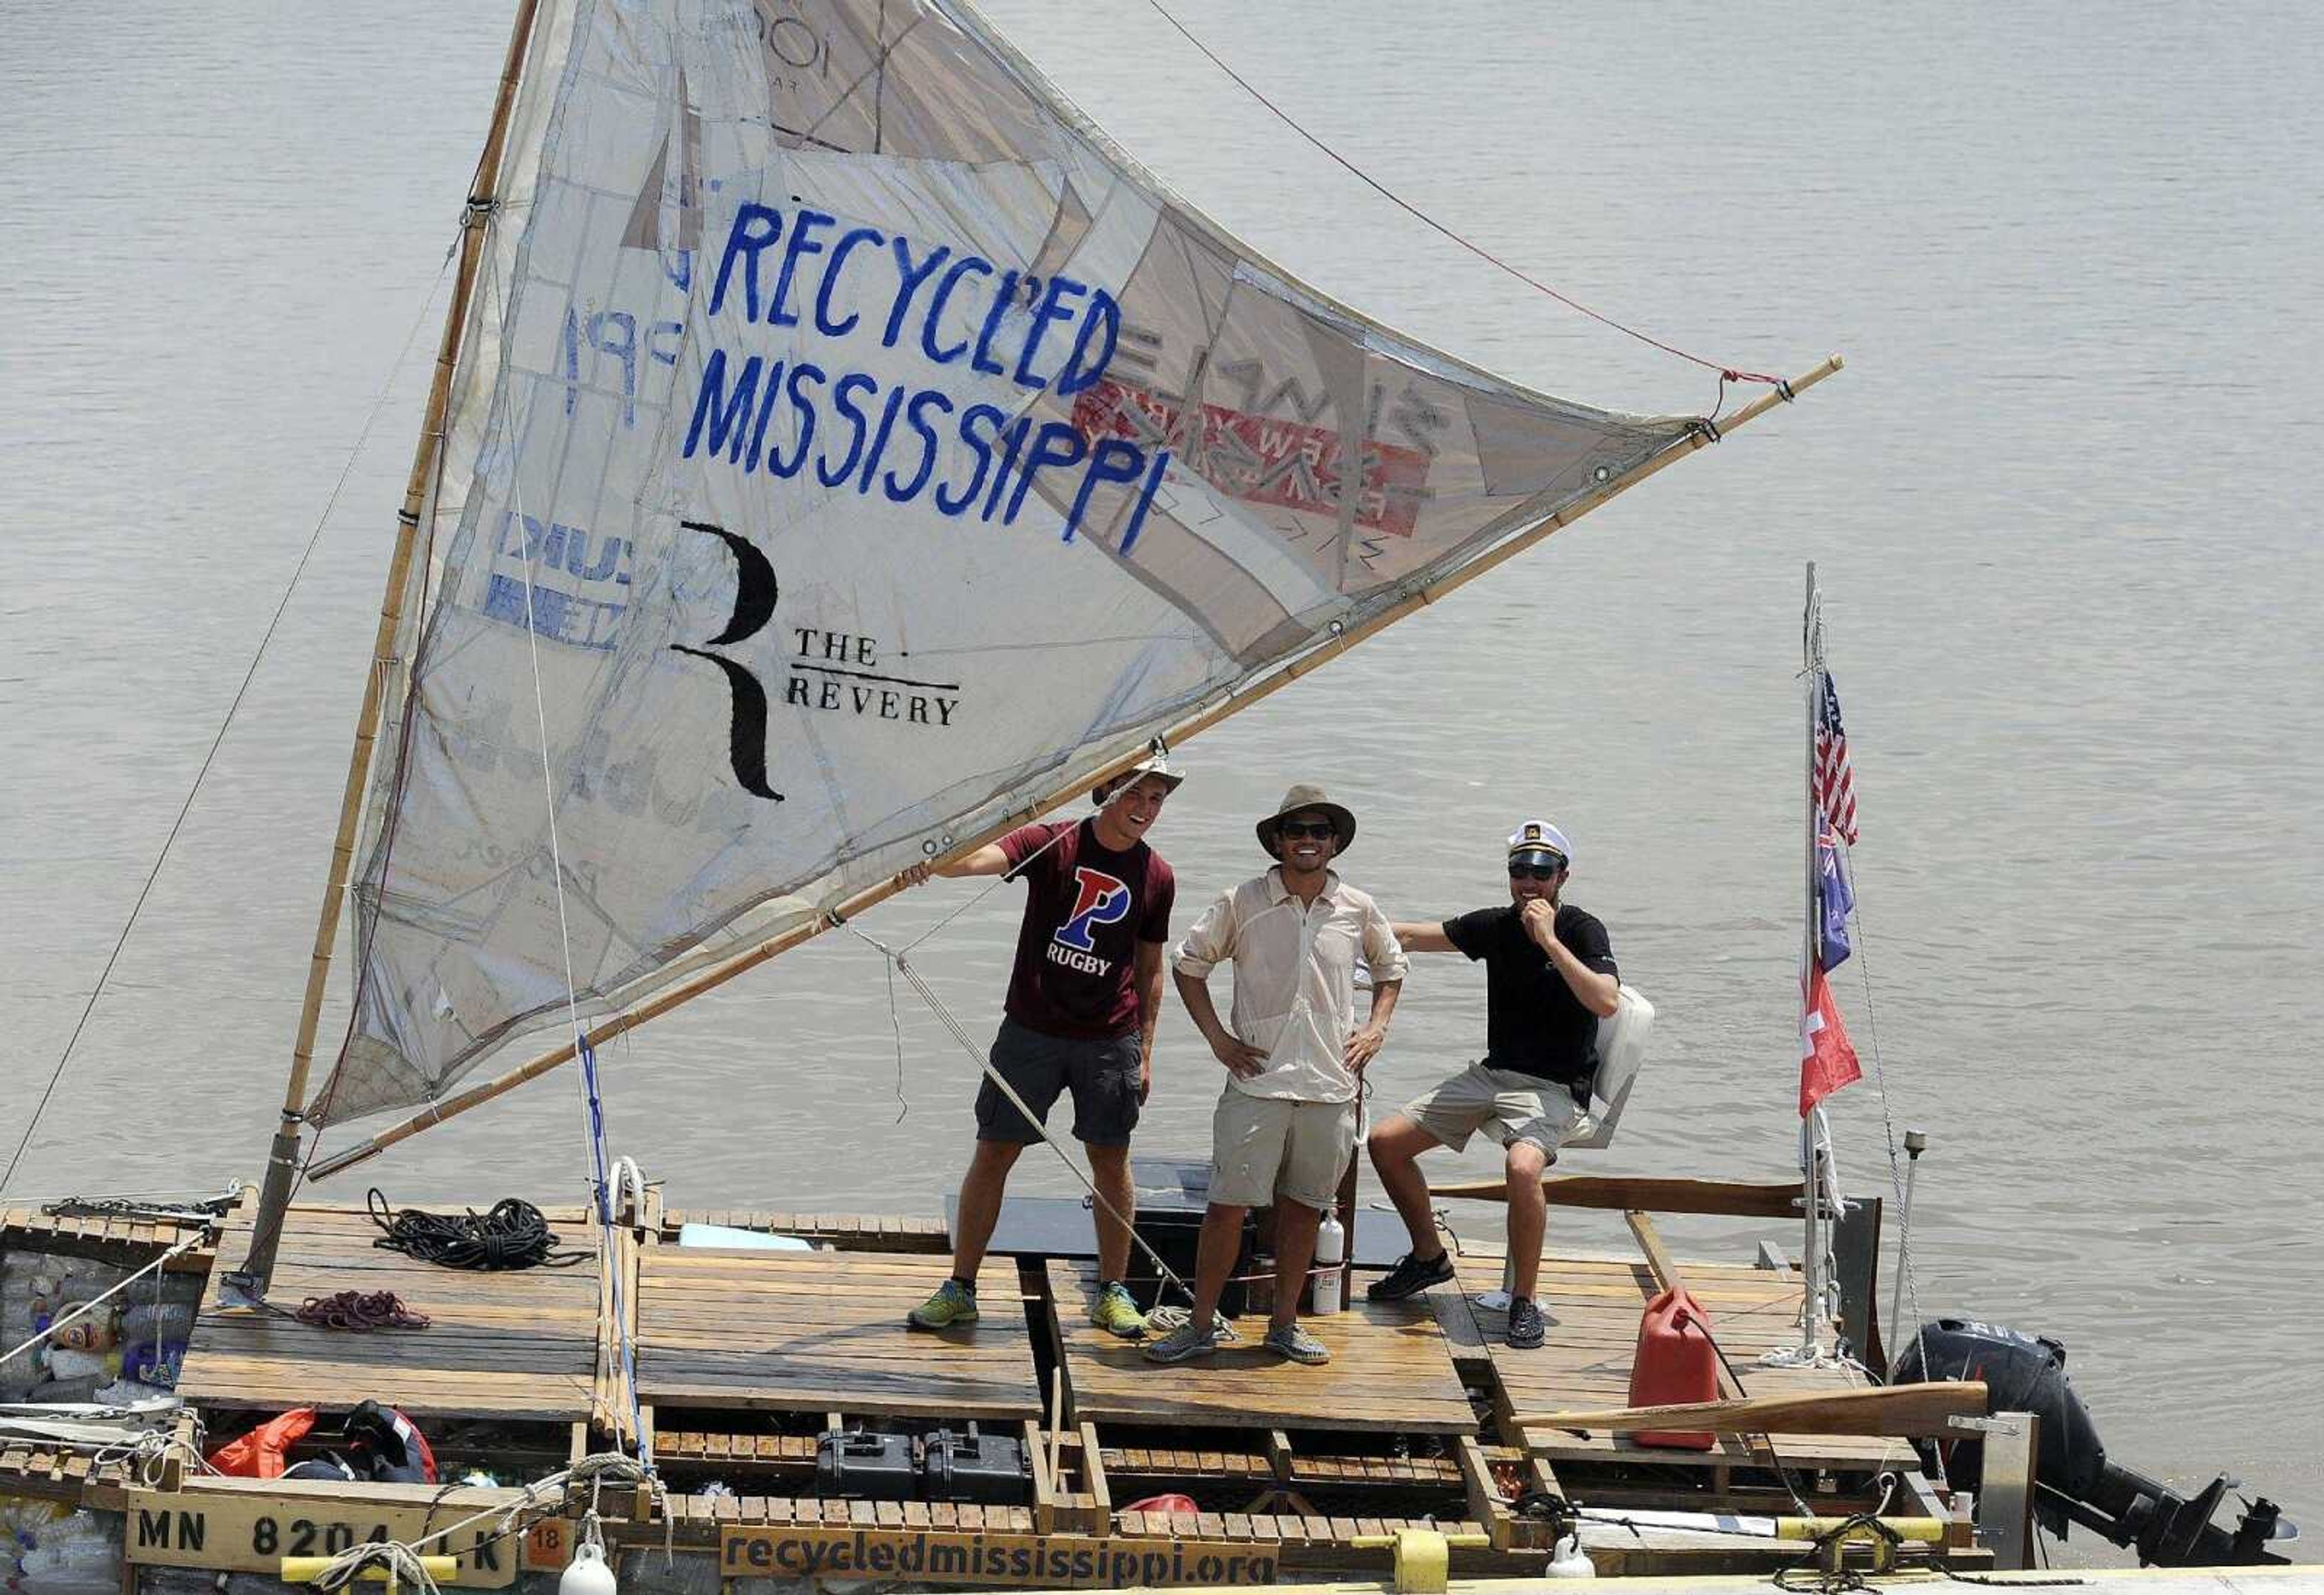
column 592, row 1107
column 1727, row 373
column 951, row 1022
column 1862, row 950
column 513, row 1235
column 210, row 757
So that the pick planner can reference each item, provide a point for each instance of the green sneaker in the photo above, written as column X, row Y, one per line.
column 949, row 1308
column 1115, row 1313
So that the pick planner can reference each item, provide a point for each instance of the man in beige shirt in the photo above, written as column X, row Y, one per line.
column 1285, row 1123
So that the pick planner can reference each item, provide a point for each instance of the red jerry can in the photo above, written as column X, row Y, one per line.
column 1675, row 1362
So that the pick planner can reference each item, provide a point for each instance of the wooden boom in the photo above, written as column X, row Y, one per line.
column 1642, row 1193
column 1893, row 1409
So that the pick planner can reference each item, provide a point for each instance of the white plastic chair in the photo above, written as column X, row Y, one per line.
column 1621, row 1050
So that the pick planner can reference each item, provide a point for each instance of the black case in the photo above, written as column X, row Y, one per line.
column 867, row 1467
column 989, row 1468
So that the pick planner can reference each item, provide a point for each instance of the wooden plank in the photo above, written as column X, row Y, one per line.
column 1628, row 1192
column 1924, row 1409
column 1484, row 1499
column 248, row 1525
column 1093, row 1473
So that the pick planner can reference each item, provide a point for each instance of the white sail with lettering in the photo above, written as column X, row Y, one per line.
column 850, row 448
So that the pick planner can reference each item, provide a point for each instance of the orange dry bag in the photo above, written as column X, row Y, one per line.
column 1675, row 1362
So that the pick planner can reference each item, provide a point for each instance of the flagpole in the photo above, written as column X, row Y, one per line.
column 1810, row 1151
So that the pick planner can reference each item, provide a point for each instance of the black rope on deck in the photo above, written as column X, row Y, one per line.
column 513, row 1235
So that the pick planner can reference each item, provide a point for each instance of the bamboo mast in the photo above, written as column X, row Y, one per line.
column 282, row 1160
column 719, row 973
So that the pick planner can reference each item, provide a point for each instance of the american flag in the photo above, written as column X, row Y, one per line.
column 1834, row 786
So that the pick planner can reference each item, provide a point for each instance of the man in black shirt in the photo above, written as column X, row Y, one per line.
column 1549, row 979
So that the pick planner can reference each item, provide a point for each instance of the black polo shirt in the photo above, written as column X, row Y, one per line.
column 1534, row 1023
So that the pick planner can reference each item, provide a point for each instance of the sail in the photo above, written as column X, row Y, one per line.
column 850, row 448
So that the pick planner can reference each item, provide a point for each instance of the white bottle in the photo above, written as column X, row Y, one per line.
column 1331, row 1251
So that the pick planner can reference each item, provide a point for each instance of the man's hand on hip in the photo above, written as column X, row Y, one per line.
column 1242, row 1060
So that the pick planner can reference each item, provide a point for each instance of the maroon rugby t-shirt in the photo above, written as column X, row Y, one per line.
column 1086, row 909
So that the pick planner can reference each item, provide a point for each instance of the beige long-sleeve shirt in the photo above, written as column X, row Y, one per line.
column 1295, row 977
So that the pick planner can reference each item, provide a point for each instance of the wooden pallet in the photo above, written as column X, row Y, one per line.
column 823, row 1331
column 519, row 1345
column 1389, row 1370
column 123, row 1242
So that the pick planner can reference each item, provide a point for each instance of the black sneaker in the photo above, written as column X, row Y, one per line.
column 1410, row 1277
column 1527, row 1329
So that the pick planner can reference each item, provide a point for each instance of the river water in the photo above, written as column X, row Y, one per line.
column 2061, row 499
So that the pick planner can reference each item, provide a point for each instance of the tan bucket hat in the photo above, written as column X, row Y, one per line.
column 1304, row 797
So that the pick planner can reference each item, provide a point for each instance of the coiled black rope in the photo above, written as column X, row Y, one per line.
column 513, row 1235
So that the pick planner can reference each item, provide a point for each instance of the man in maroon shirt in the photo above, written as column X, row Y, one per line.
column 1083, row 1002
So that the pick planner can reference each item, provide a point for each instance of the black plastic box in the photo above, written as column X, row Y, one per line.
column 991, row 1469
column 866, row 1467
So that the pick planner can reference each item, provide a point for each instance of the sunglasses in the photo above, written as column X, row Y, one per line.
column 1538, row 872
column 1319, row 829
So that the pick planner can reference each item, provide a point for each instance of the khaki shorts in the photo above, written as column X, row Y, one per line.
column 1515, row 1107
column 1260, row 1146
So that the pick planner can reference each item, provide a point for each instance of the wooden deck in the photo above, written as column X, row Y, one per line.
column 1389, row 1370
column 746, row 1356
column 823, row 1331
column 1593, row 1306
column 511, row 1345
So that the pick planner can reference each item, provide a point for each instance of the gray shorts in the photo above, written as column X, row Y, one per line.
column 1511, row 1106
column 1102, row 1076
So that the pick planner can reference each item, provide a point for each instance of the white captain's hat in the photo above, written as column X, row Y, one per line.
column 1538, row 841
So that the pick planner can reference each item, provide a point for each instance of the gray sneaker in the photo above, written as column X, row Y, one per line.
column 1290, row 1339
column 1186, row 1342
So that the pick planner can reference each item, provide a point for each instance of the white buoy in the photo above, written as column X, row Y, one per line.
column 1567, row 1560
column 587, row 1574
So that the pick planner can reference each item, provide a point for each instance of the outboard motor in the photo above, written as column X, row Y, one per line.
column 2073, row 1480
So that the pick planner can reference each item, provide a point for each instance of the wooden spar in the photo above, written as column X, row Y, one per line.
column 1648, row 1192
column 282, row 1160
column 719, row 973
column 1893, row 1409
